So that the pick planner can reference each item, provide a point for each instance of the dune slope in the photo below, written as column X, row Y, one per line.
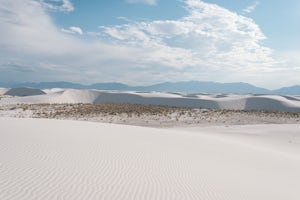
column 49, row 159
column 3, row 91
column 207, row 101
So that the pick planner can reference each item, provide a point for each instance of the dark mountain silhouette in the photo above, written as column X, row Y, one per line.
column 44, row 85
column 188, row 86
column 292, row 90
column 206, row 87
column 110, row 86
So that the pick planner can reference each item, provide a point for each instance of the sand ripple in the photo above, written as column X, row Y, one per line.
column 48, row 159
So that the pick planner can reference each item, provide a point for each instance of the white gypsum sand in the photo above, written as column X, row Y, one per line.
column 3, row 91
column 50, row 159
column 216, row 101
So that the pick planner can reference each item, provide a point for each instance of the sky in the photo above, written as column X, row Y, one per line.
column 143, row 42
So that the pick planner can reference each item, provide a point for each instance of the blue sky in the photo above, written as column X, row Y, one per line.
column 142, row 42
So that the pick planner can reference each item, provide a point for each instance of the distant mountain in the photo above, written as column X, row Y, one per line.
column 44, row 85
column 188, row 86
column 207, row 87
column 110, row 86
column 293, row 90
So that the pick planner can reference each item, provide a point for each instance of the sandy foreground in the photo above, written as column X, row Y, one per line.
column 145, row 115
column 60, row 159
column 200, row 146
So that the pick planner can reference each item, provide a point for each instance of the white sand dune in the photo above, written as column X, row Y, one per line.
column 221, row 101
column 53, row 90
column 3, row 91
column 49, row 159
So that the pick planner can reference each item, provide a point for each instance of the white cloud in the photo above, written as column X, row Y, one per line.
column 30, row 39
column 73, row 30
column 252, row 7
column 58, row 5
column 211, row 43
column 210, row 36
column 149, row 2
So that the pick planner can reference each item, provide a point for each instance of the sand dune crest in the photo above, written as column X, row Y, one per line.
column 218, row 101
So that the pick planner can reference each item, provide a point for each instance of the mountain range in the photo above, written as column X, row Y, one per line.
column 188, row 86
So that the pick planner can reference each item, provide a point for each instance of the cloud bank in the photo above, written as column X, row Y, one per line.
column 210, row 43
column 210, row 36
